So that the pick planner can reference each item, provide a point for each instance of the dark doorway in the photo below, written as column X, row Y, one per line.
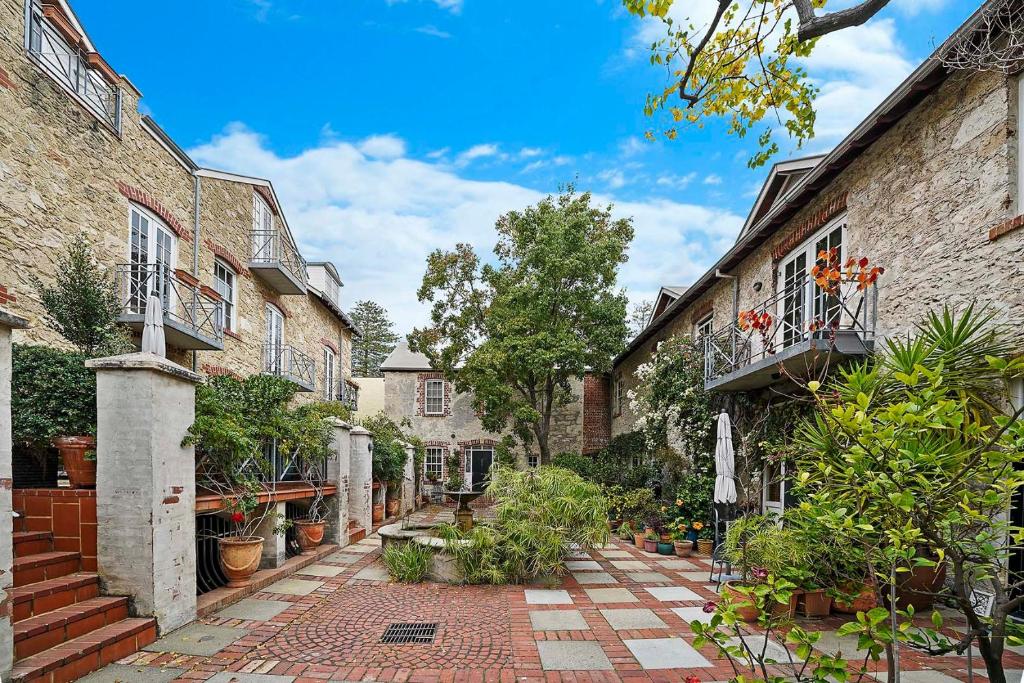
column 480, row 462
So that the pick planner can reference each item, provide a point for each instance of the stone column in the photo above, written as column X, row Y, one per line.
column 409, row 481
column 338, row 469
column 8, row 322
column 360, row 478
column 274, row 545
column 145, row 485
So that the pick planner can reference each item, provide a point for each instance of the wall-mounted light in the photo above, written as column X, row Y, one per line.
column 369, row 446
column 757, row 286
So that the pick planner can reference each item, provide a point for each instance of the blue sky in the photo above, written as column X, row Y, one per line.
column 392, row 127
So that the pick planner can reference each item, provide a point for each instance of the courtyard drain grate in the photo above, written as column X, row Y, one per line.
column 410, row 633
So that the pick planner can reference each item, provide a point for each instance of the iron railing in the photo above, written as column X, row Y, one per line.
column 290, row 363
column 69, row 65
column 798, row 313
column 348, row 393
column 272, row 247
column 183, row 303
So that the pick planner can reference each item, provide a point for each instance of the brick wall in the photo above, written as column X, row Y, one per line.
column 597, row 423
column 69, row 514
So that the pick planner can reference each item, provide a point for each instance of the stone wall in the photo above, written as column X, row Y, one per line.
column 921, row 201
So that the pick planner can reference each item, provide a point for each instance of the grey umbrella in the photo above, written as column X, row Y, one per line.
column 153, row 329
column 725, row 463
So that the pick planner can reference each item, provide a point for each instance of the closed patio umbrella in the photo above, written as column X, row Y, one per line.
column 725, row 464
column 153, row 329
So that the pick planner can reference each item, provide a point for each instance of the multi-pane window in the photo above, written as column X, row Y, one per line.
column 264, row 246
column 329, row 363
column 795, row 286
column 151, row 247
column 224, row 284
column 704, row 326
column 620, row 394
column 434, row 395
column 432, row 463
column 533, row 460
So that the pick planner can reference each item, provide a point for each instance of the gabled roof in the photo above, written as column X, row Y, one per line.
column 782, row 177
column 666, row 295
column 403, row 359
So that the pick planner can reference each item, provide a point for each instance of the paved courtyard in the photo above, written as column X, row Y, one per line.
column 619, row 614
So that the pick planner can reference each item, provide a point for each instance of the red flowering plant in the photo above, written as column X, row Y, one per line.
column 760, row 322
column 829, row 276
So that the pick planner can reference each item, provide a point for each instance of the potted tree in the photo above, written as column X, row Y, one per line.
column 705, row 543
column 309, row 443
column 241, row 550
column 683, row 546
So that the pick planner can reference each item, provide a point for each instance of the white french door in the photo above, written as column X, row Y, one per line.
column 152, row 260
column 801, row 301
column 275, row 338
column 773, row 492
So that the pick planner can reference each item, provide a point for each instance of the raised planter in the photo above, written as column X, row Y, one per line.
column 309, row 535
column 240, row 558
column 73, row 450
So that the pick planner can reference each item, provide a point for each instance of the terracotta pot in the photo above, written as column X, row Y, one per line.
column 683, row 548
column 650, row 545
column 816, row 603
column 240, row 558
column 665, row 538
column 865, row 599
column 665, row 548
column 705, row 546
column 378, row 513
column 81, row 472
column 745, row 608
column 919, row 586
column 788, row 610
column 309, row 535
column 638, row 540
column 392, row 506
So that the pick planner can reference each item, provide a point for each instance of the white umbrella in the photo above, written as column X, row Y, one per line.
column 725, row 464
column 153, row 329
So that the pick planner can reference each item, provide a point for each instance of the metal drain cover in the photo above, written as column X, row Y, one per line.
column 410, row 633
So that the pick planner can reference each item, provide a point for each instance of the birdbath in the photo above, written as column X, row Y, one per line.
column 463, row 515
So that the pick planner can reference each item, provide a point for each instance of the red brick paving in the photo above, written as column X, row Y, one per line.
column 484, row 634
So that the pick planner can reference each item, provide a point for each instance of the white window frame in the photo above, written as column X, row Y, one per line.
column 1020, row 144
column 427, row 397
column 156, row 229
column 619, row 393
column 440, row 452
column 330, row 361
column 704, row 327
column 810, row 290
column 332, row 289
column 230, row 321
column 263, row 245
column 274, row 343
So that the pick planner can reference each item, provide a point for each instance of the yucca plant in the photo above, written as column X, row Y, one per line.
column 407, row 562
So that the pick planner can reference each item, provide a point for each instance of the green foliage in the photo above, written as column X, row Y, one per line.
column 695, row 496
column 574, row 462
column 504, row 452
column 455, row 480
column 83, row 304
column 389, row 454
column 632, row 505
column 52, row 394
column 407, row 562
column 377, row 341
column 760, row 542
column 540, row 515
column 516, row 332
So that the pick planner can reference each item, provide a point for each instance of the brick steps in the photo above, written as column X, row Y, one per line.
column 32, row 542
column 44, row 566
column 45, row 596
column 77, row 657
column 44, row 631
column 355, row 532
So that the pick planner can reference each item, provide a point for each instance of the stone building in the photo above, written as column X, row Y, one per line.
column 928, row 186
column 447, row 421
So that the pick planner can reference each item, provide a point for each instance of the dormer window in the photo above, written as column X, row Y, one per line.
column 56, row 44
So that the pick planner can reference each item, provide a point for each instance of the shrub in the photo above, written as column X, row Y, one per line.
column 407, row 562
column 574, row 462
column 52, row 394
column 389, row 454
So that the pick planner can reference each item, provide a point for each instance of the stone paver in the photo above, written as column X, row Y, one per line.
column 605, row 595
column 700, row 577
column 929, row 677
column 547, row 597
column 616, row 554
column 197, row 639
column 677, row 564
column 632, row 619
column 648, row 577
column 594, row 577
column 293, row 587
column 254, row 610
column 629, row 564
column 236, row 677
column 673, row 593
column 324, row 570
column 579, row 555
column 756, row 643
column 124, row 673
column 572, row 656
column 665, row 653
column 558, row 620
column 359, row 548
column 342, row 557
column 689, row 614
column 373, row 572
column 582, row 565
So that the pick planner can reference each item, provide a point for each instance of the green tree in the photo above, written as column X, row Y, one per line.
column 82, row 304
column 377, row 341
column 741, row 63
column 639, row 316
column 516, row 332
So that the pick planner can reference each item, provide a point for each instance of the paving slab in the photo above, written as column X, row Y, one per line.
column 756, row 643
column 370, row 540
column 629, row 564
column 677, row 564
column 831, row 644
column 689, row 614
column 616, row 554
column 582, row 565
column 594, row 577
column 537, row 596
column 572, row 655
column 201, row 640
column 254, row 610
column 604, row 595
column 665, row 653
column 558, row 620
column 673, row 594
column 360, row 548
column 925, row 676
column 325, row 570
column 698, row 576
column 632, row 619
column 126, row 673
column 343, row 557
column 578, row 555
column 373, row 572
column 293, row 587
column 236, row 677
column 648, row 577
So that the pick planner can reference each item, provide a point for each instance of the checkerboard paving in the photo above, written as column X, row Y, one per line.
column 616, row 613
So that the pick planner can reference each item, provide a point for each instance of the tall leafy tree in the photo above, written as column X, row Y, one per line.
column 639, row 316
column 516, row 331
column 377, row 342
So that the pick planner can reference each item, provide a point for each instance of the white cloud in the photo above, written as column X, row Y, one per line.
column 383, row 146
column 431, row 30
column 482, row 151
column 377, row 218
column 530, row 152
column 632, row 146
column 613, row 178
column 453, row 6
column 713, row 179
column 678, row 182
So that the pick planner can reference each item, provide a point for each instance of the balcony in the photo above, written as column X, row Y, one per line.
column 796, row 333
column 276, row 262
column 192, row 318
column 291, row 364
column 348, row 394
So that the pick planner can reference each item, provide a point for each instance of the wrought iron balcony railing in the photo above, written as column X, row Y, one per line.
column 73, row 68
column 803, row 314
column 348, row 393
column 192, row 318
column 278, row 262
column 291, row 364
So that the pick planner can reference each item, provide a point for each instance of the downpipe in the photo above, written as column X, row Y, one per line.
column 197, row 194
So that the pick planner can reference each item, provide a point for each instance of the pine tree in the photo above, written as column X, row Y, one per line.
column 377, row 342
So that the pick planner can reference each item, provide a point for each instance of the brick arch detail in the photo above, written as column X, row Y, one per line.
column 147, row 200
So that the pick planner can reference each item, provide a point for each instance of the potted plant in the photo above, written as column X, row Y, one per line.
column 307, row 435
column 625, row 532
column 763, row 552
column 705, row 543
column 683, row 546
column 651, row 541
column 394, row 498
column 241, row 550
column 666, row 547
column 638, row 536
